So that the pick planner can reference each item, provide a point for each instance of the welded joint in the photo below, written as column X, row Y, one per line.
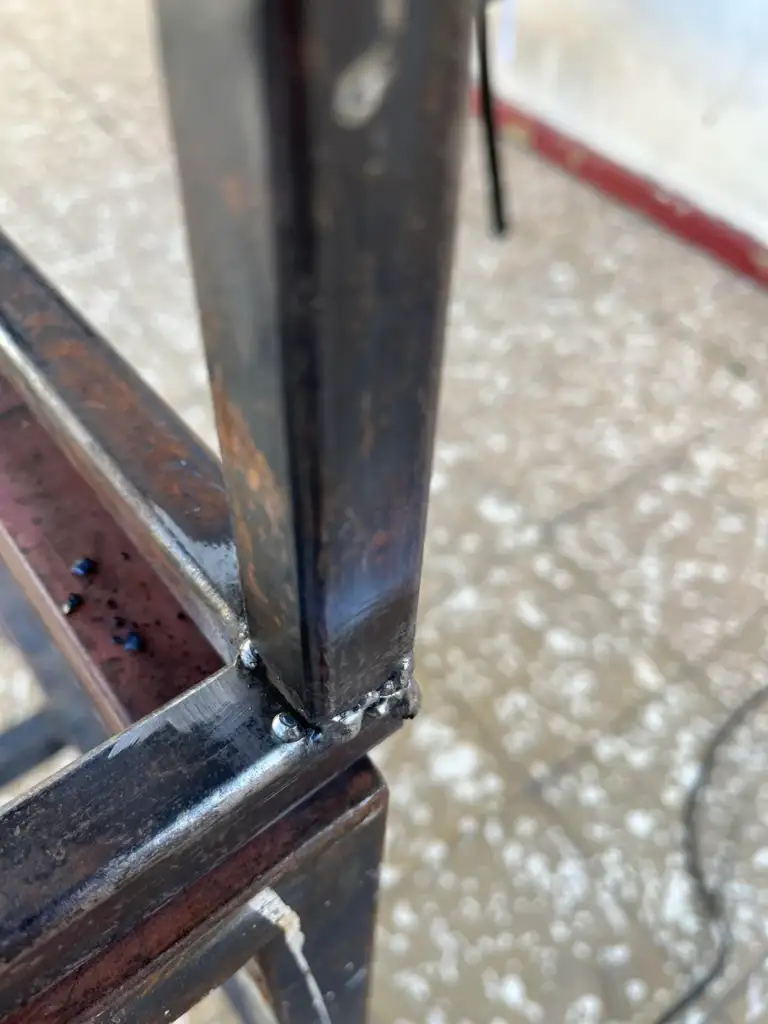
column 398, row 697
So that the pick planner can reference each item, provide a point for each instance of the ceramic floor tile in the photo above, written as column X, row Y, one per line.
column 737, row 800
column 681, row 553
column 624, row 807
column 104, row 226
column 489, row 910
column 570, row 374
column 542, row 659
column 738, row 666
column 734, row 459
column 104, row 57
column 20, row 697
column 748, row 1002
column 623, row 804
column 114, row 289
column 19, row 694
column 55, row 149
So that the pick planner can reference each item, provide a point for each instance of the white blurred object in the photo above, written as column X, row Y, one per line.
column 673, row 91
column 508, row 30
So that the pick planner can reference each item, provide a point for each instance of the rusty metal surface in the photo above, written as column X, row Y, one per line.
column 160, row 483
column 49, row 517
column 318, row 157
column 314, row 852
column 147, row 814
column 330, row 881
column 158, row 805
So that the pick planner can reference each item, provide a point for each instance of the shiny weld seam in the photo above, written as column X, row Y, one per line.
column 398, row 697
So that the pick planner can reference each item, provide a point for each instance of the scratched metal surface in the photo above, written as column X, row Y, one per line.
column 595, row 590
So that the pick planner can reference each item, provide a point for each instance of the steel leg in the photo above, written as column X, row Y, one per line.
column 318, row 153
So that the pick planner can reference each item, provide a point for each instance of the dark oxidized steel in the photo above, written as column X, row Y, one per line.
column 318, row 156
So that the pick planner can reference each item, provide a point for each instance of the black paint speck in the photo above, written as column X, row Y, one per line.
column 111, row 603
column 72, row 603
column 134, row 642
column 125, row 556
column 118, row 621
column 84, row 567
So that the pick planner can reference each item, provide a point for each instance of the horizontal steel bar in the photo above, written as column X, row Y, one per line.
column 49, row 518
column 330, row 884
column 282, row 857
column 25, row 745
column 157, row 479
column 177, row 982
column 143, row 816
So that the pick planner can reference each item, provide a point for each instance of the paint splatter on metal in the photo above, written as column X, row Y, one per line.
column 84, row 567
column 72, row 603
column 134, row 642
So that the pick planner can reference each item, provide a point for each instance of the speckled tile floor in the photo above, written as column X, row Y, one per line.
column 594, row 599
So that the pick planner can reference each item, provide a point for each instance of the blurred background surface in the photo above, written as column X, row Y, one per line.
column 675, row 91
column 595, row 595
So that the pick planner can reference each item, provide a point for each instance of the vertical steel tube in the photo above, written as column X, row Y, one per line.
column 318, row 150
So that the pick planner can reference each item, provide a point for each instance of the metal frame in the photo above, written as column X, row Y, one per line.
column 319, row 162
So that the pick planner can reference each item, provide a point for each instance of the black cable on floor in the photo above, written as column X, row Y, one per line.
column 490, row 126
column 711, row 901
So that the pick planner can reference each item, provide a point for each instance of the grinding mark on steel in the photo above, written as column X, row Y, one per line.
column 709, row 897
column 214, row 700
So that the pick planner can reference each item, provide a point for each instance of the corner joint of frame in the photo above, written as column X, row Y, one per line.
column 399, row 697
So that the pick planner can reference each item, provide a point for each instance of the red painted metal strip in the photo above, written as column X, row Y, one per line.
column 720, row 239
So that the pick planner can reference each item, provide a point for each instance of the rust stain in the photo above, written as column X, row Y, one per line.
column 64, row 348
column 235, row 437
column 379, row 540
column 165, row 461
column 234, row 193
column 39, row 321
column 254, row 585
